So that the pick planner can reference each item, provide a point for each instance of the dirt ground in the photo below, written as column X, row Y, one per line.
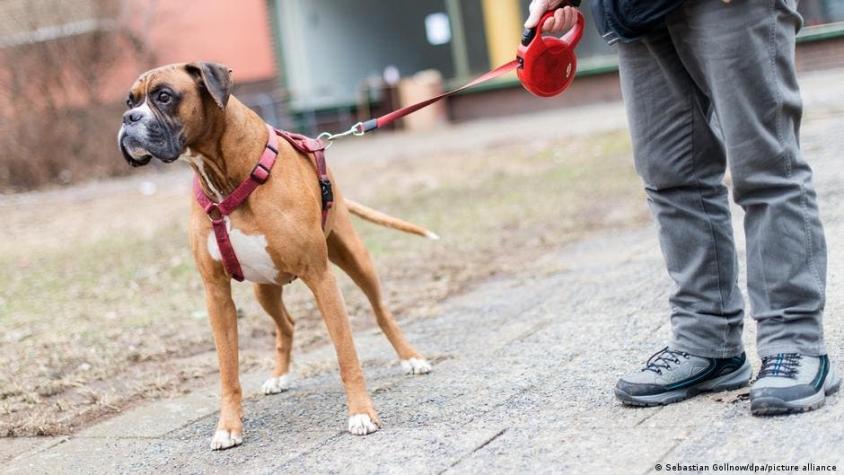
column 100, row 305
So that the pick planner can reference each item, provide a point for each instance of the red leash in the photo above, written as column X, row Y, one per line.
column 363, row 127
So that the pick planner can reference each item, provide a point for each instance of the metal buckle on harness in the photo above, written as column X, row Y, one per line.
column 211, row 210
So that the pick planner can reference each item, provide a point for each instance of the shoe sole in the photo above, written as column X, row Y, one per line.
column 772, row 406
column 735, row 380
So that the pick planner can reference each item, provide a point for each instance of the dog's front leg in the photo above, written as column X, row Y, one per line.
column 223, row 316
column 362, row 416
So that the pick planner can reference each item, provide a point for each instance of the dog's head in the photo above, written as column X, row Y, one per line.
column 170, row 108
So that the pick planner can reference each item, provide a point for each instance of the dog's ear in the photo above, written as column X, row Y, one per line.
column 215, row 78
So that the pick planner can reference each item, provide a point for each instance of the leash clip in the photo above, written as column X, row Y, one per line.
column 357, row 130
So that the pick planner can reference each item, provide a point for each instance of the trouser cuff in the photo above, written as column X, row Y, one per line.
column 715, row 352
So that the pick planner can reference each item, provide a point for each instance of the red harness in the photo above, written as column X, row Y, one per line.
column 259, row 175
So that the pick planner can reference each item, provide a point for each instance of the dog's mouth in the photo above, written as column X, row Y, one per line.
column 136, row 154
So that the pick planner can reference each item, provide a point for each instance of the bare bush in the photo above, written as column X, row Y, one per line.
column 59, row 111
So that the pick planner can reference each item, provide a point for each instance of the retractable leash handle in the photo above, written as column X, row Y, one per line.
column 547, row 63
column 529, row 33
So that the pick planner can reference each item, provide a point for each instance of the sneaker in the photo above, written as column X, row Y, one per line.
column 670, row 376
column 791, row 382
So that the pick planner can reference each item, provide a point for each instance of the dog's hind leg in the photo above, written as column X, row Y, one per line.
column 347, row 251
column 362, row 416
column 270, row 298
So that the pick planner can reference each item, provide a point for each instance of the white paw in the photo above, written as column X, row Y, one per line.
column 416, row 366
column 276, row 384
column 361, row 424
column 224, row 439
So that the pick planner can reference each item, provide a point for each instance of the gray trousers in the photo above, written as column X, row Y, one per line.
column 717, row 86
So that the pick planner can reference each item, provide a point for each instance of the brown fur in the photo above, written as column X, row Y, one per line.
column 377, row 217
column 286, row 210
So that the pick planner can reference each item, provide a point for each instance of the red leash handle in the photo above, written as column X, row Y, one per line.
column 530, row 33
column 548, row 63
column 571, row 38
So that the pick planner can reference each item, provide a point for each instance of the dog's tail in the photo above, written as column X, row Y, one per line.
column 377, row 217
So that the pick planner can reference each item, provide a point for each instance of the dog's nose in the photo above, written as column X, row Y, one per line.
column 130, row 117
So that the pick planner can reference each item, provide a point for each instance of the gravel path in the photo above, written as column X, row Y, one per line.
column 522, row 381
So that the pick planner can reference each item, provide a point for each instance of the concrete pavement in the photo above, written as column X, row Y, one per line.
column 523, row 373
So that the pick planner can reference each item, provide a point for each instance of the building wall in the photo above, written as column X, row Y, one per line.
column 818, row 12
column 235, row 33
column 329, row 48
column 826, row 54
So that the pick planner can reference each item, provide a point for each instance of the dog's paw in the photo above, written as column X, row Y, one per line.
column 276, row 384
column 416, row 366
column 362, row 424
column 224, row 439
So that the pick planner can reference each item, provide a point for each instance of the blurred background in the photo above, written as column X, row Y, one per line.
column 100, row 305
column 305, row 65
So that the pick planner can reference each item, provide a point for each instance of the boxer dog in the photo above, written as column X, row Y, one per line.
column 186, row 111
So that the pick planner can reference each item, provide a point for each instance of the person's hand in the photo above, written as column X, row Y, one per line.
column 562, row 21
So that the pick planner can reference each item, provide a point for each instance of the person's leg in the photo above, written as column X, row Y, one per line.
column 682, row 164
column 742, row 55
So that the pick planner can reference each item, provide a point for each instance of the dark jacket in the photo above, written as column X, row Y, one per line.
column 629, row 20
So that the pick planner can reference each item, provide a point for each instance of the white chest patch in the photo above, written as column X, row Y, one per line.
column 198, row 160
column 251, row 251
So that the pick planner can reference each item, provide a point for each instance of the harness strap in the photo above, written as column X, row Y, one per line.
column 258, row 176
column 315, row 147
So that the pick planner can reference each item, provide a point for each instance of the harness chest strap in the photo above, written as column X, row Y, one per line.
column 259, row 175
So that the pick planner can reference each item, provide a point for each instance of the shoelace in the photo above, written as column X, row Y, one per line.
column 783, row 365
column 663, row 359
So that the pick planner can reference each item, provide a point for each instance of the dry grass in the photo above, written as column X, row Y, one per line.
column 100, row 304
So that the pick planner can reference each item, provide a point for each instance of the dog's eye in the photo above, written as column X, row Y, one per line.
column 164, row 97
column 129, row 102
